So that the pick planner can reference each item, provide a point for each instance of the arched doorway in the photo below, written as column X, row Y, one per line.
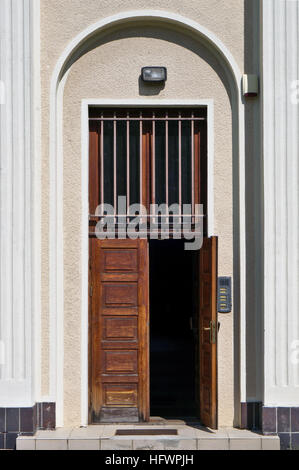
column 56, row 227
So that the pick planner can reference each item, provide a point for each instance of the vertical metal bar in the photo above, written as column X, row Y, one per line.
column 102, row 161
column 180, row 164
column 141, row 157
column 153, row 167
column 153, row 201
column 114, row 165
column 192, row 163
column 166, row 159
column 128, row 161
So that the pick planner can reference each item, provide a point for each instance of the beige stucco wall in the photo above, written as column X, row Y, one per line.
column 91, row 76
column 111, row 71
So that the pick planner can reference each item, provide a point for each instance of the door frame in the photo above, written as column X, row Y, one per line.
column 133, row 103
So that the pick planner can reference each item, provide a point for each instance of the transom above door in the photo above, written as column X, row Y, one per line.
column 150, row 156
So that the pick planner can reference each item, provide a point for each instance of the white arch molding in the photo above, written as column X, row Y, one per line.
column 56, row 268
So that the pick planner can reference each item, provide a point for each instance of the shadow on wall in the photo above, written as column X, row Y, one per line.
column 150, row 89
column 254, row 210
column 254, row 231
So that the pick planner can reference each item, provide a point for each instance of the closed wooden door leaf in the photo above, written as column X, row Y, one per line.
column 119, row 331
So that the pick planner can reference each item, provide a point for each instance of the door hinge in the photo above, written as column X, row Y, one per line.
column 90, row 291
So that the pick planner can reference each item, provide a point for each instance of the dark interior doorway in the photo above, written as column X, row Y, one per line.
column 173, row 330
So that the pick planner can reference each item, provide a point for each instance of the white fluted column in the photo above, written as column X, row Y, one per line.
column 18, row 139
column 281, row 198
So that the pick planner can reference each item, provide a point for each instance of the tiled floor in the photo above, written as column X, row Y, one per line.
column 190, row 437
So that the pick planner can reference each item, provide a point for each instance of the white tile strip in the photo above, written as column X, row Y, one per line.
column 188, row 438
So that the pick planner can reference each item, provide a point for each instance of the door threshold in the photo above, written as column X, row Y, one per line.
column 184, row 420
column 155, row 421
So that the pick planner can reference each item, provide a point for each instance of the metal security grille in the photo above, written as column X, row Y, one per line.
column 151, row 156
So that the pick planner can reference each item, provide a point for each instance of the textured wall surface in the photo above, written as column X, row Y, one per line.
column 92, row 76
column 95, row 75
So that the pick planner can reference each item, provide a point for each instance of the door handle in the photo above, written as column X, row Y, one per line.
column 212, row 330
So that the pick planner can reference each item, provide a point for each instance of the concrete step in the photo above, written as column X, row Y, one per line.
column 189, row 437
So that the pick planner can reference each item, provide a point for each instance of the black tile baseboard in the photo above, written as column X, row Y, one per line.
column 294, row 420
column 2, row 420
column 12, row 420
column 25, row 421
column 269, row 420
column 251, row 415
column 10, row 439
column 281, row 421
column 295, row 440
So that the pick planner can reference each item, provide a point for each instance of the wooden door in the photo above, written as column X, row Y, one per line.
column 208, row 327
column 119, row 366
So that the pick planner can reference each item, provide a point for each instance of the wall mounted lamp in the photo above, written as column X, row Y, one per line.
column 154, row 74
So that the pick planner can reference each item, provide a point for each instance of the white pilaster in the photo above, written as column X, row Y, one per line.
column 281, row 197
column 18, row 146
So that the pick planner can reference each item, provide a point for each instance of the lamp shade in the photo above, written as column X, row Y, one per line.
column 154, row 74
